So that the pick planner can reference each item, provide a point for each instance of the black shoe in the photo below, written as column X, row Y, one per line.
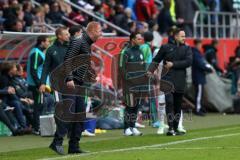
column 17, row 132
column 77, row 151
column 57, row 148
column 200, row 113
column 179, row 133
column 171, row 133
column 203, row 110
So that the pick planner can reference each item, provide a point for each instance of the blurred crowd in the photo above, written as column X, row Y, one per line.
column 130, row 15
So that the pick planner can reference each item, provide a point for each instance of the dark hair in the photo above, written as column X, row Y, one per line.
column 176, row 31
column 59, row 31
column 6, row 67
column 171, row 30
column 74, row 29
column 148, row 36
column 26, row 4
column 41, row 39
column 197, row 41
column 133, row 35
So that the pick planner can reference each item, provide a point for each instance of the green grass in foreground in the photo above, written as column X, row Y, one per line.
column 106, row 146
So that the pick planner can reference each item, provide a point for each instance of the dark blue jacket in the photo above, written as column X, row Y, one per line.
column 199, row 68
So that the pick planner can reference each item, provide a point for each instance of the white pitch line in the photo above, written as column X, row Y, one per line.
column 219, row 130
column 144, row 147
column 193, row 148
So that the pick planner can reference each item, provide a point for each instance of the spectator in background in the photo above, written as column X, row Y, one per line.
column 131, row 5
column 236, row 5
column 5, row 119
column 227, row 6
column 128, row 15
column 145, row 10
column 28, row 16
column 199, row 69
column 157, row 38
column 165, row 20
column 16, row 26
column 46, row 10
column 77, row 16
column 64, row 7
column 120, row 18
column 237, row 50
column 109, row 8
column 39, row 16
column 8, row 70
column 14, row 17
column 142, row 27
column 210, row 51
column 55, row 14
column 185, row 11
column 233, row 69
column 8, row 10
column 99, row 11
column 21, row 87
column 132, row 26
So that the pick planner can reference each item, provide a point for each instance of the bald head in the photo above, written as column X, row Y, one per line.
column 94, row 30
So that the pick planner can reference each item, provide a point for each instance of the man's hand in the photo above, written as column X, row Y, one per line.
column 11, row 90
column 70, row 84
column 42, row 88
column 169, row 64
column 149, row 74
column 152, row 77
column 30, row 101
column 24, row 100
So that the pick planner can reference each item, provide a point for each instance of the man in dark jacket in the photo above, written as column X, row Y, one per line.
column 81, row 76
column 55, row 57
column 176, row 57
column 211, row 54
column 199, row 69
column 55, row 54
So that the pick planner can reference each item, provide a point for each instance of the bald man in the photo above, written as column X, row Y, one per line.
column 80, row 46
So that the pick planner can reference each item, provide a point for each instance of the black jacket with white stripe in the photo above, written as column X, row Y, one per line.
column 82, row 72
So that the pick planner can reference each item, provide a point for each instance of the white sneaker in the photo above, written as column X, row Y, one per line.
column 166, row 126
column 87, row 133
column 160, row 130
column 128, row 132
column 136, row 132
column 181, row 129
column 138, row 125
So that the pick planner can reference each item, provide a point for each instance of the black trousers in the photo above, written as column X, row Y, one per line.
column 130, row 115
column 74, row 129
column 4, row 118
column 173, row 109
column 37, row 107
